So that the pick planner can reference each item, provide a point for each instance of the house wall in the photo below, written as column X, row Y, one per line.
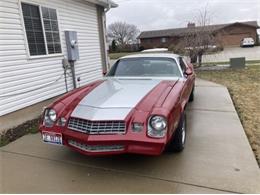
column 232, row 35
column 23, row 79
column 150, row 43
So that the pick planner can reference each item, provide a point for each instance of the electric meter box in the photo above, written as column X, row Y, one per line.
column 72, row 45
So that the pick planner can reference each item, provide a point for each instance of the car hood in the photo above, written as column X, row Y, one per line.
column 118, row 93
column 113, row 99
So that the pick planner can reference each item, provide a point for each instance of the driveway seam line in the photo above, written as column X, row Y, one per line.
column 121, row 172
column 210, row 110
column 209, row 86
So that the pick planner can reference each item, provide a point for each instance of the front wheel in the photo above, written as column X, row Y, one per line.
column 191, row 98
column 178, row 141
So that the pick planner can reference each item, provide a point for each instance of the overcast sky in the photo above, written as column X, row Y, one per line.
column 161, row 14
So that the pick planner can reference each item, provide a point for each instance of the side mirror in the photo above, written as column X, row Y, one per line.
column 188, row 72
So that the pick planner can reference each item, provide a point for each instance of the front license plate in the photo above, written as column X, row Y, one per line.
column 52, row 137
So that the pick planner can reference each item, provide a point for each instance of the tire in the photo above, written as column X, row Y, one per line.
column 179, row 138
column 191, row 98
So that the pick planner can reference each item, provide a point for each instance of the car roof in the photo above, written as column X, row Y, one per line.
column 155, row 50
column 153, row 55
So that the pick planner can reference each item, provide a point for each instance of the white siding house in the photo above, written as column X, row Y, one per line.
column 31, row 68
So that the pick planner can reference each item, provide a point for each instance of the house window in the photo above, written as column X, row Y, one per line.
column 147, row 40
column 43, row 38
column 163, row 40
column 51, row 30
column 33, row 27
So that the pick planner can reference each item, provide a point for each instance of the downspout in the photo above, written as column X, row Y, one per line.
column 103, row 19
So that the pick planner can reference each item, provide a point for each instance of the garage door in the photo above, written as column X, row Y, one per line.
column 233, row 40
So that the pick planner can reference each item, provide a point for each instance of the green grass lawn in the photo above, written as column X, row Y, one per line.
column 244, row 87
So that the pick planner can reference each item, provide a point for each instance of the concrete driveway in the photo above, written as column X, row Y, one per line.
column 217, row 159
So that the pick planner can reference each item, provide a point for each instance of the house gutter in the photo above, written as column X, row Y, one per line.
column 108, row 4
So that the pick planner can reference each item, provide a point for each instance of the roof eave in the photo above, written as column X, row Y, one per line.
column 219, row 27
column 104, row 3
column 241, row 23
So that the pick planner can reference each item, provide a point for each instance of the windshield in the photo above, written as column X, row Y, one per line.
column 145, row 67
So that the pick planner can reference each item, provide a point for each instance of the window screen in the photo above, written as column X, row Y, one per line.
column 51, row 30
column 33, row 27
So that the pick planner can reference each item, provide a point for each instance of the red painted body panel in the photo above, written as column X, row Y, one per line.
column 168, row 99
column 133, row 142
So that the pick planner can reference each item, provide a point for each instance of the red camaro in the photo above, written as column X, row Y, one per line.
column 138, row 107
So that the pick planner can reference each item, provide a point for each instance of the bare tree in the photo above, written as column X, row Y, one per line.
column 197, row 40
column 123, row 33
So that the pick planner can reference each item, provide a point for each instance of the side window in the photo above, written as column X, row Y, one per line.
column 182, row 64
column 43, row 39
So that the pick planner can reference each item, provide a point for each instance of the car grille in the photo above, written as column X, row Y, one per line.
column 96, row 148
column 97, row 127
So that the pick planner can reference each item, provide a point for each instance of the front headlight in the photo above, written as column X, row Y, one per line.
column 157, row 126
column 50, row 117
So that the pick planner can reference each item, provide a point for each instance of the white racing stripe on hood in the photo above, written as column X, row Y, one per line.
column 113, row 99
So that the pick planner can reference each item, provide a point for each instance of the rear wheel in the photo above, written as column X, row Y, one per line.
column 179, row 138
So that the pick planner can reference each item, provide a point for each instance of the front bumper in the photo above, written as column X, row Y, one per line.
column 96, row 145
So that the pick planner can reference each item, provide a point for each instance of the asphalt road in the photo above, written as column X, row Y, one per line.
column 217, row 159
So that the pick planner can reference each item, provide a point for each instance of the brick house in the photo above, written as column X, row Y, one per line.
column 228, row 35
